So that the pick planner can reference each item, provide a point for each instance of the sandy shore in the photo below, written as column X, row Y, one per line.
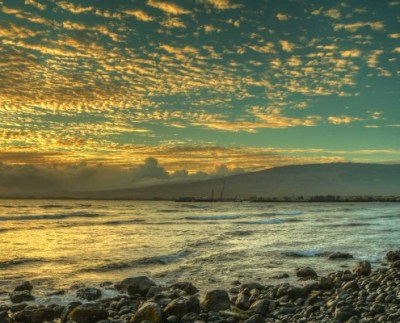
column 360, row 295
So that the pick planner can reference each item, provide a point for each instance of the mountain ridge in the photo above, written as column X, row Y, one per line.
column 345, row 179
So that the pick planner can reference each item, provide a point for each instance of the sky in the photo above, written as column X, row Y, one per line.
column 122, row 92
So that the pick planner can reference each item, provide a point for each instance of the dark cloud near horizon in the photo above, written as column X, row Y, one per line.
column 29, row 179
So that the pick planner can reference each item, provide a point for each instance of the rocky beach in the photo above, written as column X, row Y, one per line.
column 363, row 294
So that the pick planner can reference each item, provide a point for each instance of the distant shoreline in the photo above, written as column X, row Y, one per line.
column 317, row 199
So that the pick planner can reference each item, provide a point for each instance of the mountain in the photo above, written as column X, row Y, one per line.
column 344, row 179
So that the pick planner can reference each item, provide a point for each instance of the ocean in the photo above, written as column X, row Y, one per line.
column 56, row 244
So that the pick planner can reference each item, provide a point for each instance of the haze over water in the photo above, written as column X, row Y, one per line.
column 56, row 244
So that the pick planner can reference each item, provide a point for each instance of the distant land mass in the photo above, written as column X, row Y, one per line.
column 338, row 179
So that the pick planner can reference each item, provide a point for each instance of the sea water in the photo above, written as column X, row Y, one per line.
column 57, row 244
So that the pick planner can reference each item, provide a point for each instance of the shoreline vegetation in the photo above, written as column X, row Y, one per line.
column 360, row 295
column 253, row 199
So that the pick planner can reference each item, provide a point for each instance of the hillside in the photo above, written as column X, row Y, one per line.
column 345, row 179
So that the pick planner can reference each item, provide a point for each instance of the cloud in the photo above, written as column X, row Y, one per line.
column 350, row 53
column 36, row 4
column 286, row 45
column 343, row 119
column 222, row 4
column 333, row 13
column 173, row 22
column 282, row 17
column 75, row 9
column 139, row 15
column 354, row 27
column 168, row 7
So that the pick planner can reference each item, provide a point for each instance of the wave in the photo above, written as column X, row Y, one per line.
column 168, row 211
column 240, row 233
column 17, row 262
column 121, row 222
column 306, row 253
column 272, row 221
column 212, row 217
column 194, row 206
column 156, row 260
column 281, row 213
column 55, row 216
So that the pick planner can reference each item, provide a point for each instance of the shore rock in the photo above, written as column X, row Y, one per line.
column 306, row 273
column 187, row 287
column 393, row 255
column 149, row 312
column 137, row 285
column 260, row 307
column 395, row 264
column 88, row 293
column 4, row 318
column 22, row 296
column 24, row 286
column 345, row 311
column 340, row 255
column 182, row 305
column 216, row 300
column 88, row 313
column 362, row 268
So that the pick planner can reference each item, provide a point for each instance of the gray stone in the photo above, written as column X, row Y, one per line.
column 137, row 285
column 340, row 255
column 260, row 307
column 362, row 268
column 257, row 318
column 88, row 313
column 344, row 311
column 306, row 273
column 216, row 300
column 24, row 286
column 182, row 305
column 149, row 312
column 21, row 296
column 88, row 293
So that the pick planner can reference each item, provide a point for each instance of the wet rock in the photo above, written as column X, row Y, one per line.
column 377, row 309
column 216, row 300
column 242, row 300
column 281, row 276
column 189, row 318
column 351, row 285
column 257, row 318
column 149, row 312
column 325, row 283
column 67, row 310
column 18, row 307
column 182, row 305
column 88, row 293
column 137, row 285
column 22, row 296
column 88, row 313
column 393, row 255
column 306, row 273
column 362, row 268
column 345, row 311
column 4, row 318
column 24, row 286
column 395, row 264
column 340, row 255
column 252, row 285
column 56, row 293
column 295, row 292
column 187, row 287
column 260, row 307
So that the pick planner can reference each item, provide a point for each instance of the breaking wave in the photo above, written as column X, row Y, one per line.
column 55, row 216
column 147, row 261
